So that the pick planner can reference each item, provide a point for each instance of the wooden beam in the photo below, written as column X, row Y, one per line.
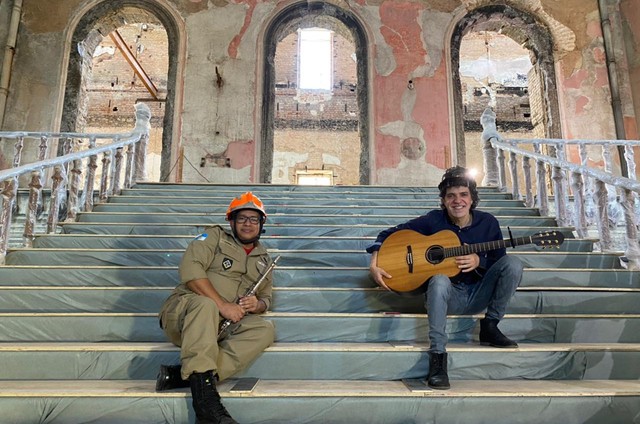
column 133, row 62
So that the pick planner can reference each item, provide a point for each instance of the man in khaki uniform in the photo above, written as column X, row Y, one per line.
column 217, row 269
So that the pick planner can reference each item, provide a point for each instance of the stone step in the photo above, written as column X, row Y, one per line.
column 553, row 300
column 329, row 361
column 328, row 276
column 130, row 241
column 303, row 229
column 353, row 258
column 323, row 401
column 327, row 327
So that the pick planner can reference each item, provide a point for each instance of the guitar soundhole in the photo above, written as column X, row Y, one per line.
column 435, row 254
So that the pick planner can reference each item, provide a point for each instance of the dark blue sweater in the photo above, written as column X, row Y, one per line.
column 484, row 227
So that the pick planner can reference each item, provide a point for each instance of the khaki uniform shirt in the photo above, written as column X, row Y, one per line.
column 219, row 257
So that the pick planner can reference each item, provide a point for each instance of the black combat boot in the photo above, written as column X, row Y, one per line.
column 438, row 378
column 490, row 335
column 169, row 378
column 206, row 400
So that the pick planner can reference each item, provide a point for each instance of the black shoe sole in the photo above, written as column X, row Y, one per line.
column 499, row 346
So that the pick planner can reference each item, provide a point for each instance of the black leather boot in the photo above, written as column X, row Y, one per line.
column 169, row 378
column 438, row 378
column 206, row 400
column 490, row 335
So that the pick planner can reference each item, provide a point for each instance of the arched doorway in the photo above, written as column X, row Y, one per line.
column 101, row 23
column 352, row 116
column 523, row 35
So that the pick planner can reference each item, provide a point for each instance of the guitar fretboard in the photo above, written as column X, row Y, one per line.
column 467, row 249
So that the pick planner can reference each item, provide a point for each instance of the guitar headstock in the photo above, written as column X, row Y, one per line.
column 548, row 239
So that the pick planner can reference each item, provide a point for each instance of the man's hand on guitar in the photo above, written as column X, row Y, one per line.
column 468, row 263
column 378, row 273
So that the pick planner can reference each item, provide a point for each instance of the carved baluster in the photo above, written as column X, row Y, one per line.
column 92, row 165
column 72, row 203
column 57, row 189
column 541, row 183
column 526, row 167
column 502, row 174
column 9, row 192
column 563, row 186
column 633, row 248
column 603, row 216
column 589, row 205
column 17, row 148
column 112, row 169
column 106, row 165
column 43, row 147
column 615, row 212
column 128, row 173
column 579, row 219
column 560, row 198
column 35, row 196
column 42, row 155
column 513, row 167
column 143, row 119
column 117, row 171
column 631, row 163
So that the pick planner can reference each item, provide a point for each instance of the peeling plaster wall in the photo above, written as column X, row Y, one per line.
column 411, row 128
column 583, row 81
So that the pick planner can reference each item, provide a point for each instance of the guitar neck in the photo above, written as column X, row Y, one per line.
column 467, row 249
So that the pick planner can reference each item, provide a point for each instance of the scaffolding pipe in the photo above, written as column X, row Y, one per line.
column 612, row 70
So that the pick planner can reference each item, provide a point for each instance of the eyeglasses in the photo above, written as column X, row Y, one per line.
column 243, row 219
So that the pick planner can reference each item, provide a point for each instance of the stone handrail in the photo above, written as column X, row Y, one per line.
column 601, row 185
column 71, row 163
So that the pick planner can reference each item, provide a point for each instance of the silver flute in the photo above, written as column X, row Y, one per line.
column 224, row 325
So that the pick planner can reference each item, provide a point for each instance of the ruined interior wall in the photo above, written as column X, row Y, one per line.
column 630, row 13
column 584, row 94
column 411, row 141
column 35, row 85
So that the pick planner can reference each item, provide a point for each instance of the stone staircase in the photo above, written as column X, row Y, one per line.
column 80, row 343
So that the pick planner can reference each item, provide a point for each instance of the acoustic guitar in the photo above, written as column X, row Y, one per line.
column 412, row 258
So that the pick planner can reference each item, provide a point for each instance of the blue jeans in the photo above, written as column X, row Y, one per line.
column 492, row 293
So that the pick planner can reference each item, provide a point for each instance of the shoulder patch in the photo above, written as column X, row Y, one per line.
column 201, row 237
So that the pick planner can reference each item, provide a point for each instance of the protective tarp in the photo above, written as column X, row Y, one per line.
column 320, row 300
column 103, row 241
column 112, row 327
column 301, row 258
column 175, row 409
column 300, row 211
column 468, row 362
column 339, row 277
column 271, row 230
column 274, row 219
column 209, row 201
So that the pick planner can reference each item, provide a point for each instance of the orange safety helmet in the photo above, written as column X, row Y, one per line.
column 246, row 201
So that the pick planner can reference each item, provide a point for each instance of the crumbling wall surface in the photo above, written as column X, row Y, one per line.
column 34, row 88
column 410, row 130
column 411, row 121
column 585, row 94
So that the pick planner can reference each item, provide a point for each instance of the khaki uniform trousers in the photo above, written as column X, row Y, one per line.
column 191, row 321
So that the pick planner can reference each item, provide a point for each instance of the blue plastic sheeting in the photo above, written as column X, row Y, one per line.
column 290, row 258
column 322, row 410
column 325, row 328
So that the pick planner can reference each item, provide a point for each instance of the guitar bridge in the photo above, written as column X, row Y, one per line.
column 409, row 259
